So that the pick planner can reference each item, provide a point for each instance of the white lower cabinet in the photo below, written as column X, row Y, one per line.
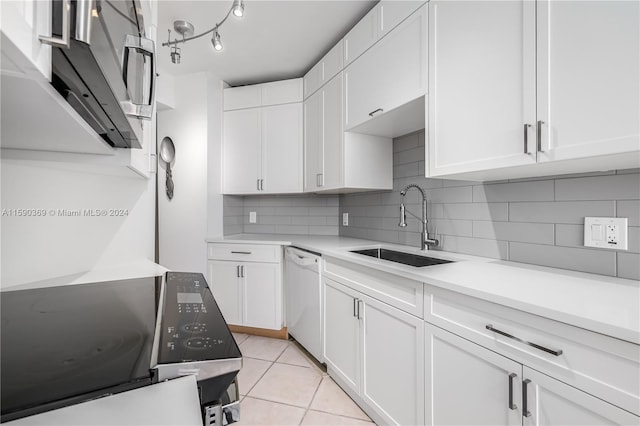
column 551, row 402
column 468, row 384
column 248, row 291
column 377, row 352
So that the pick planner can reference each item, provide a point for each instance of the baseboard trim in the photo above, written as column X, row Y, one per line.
column 254, row 331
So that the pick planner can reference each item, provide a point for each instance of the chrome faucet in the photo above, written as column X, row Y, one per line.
column 424, row 240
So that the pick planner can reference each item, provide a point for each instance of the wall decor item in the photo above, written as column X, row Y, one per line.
column 167, row 154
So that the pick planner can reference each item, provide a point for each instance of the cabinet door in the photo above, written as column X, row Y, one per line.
column 282, row 148
column 224, row 280
column 467, row 384
column 342, row 333
column 23, row 22
column 390, row 74
column 392, row 12
column 588, row 84
column 551, row 402
column 393, row 362
column 361, row 37
column 481, row 85
column 313, row 133
column 262, row 305
column 242, row 151
column 333, row 136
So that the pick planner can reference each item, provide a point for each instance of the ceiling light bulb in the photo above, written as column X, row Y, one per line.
column 238, row 8
column 215, row 41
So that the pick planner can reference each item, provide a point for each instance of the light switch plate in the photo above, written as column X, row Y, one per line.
column 345, row 219
column 606, row 232
column 252, row 217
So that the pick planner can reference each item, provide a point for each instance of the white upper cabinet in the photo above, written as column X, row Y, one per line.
column 389, row 75
column 392, row 12
column 282, row 148
column 259, row 140
column 330, row 65
column 334, row 159
column 481, row 85
column 361, row 37
column 588, row 78
column 385, row 16
column 256, row 95
column 242, row 151
column 23, row 22
column 519, row 89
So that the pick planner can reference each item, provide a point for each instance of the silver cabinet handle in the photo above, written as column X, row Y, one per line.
column 146, row 48
column 512, row 406
column 526, row 138
column 359, row 316
column 65, row 40
column 240, row 252
column 539, row 135
column 556, row 352
column 238, row 271
column 319, row 180
column 355, row 309
column 258, row 184
column 525, row 408
column 372, row 113
column 261, row 184
column 242, row 271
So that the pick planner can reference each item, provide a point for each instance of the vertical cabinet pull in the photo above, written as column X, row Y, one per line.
column 242, row 271
column 238, row 271
column 512, row 376
column 258, row 184
column 319, row 180
column 525, row 409
column 261, row 184
column 355, row 307
column 526, row 138
column 539, row 135
column 359, row 316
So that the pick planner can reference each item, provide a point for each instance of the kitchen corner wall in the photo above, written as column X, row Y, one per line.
column 195, row 212
column 282, row 214
column 537, row 221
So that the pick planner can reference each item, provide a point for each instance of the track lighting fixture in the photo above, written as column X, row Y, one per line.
column 186, row 30
column 238, row 8
column 215, row 41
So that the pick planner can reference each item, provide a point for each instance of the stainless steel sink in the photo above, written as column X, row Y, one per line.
column 401, row 257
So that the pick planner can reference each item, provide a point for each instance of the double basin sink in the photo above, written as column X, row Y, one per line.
column 401, row 257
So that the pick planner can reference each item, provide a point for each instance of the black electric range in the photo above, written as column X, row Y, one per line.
column 68, row 344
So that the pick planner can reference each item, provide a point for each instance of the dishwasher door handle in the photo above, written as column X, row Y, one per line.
column 300, row 260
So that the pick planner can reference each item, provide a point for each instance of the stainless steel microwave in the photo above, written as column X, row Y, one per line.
column 104, row 66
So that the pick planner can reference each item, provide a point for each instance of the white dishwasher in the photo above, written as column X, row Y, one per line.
column 303, row 299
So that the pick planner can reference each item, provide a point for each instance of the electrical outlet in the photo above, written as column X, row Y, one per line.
column 606, row 232
column 253, row 217
column 345, row 219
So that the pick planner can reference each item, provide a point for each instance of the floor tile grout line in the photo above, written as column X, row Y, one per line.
column 260, row 378
column 311, row 400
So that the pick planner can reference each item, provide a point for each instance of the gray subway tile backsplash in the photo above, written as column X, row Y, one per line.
column 537, row 220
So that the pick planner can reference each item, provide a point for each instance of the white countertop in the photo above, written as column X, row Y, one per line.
column 606, row 305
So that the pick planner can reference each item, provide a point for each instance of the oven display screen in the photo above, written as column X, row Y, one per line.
column 189, row 298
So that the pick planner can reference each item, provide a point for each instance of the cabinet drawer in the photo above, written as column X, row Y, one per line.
column 245, row 252
column 603, row 366
column 399, row 292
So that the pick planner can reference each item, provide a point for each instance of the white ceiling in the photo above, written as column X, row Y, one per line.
column 275, row 40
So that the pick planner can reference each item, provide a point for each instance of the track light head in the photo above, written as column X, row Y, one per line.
column 216, row 42
column 238, row 8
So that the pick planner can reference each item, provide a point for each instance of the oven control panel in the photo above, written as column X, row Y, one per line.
column 193, row 328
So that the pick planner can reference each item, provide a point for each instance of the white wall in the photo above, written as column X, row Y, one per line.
column 39, row 248
column 194, row 127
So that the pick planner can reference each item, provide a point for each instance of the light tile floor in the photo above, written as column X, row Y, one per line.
column 280, row 385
